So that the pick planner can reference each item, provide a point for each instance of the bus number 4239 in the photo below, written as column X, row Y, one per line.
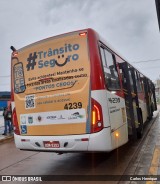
column 74, row 105
column 114, row 100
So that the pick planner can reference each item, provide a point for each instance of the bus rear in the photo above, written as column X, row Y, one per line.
column 51, row 94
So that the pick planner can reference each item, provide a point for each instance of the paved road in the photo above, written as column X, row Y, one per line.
column 133, row 158
column 15, row 162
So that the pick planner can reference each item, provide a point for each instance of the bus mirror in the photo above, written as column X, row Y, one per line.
column 18, row 76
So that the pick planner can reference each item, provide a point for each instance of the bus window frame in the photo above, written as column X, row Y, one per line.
column 103, row 46
column 139, row 86
column 142, row 82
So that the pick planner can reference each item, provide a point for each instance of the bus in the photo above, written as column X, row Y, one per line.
column 74, row 93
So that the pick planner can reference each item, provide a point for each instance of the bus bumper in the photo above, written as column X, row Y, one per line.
column 100, row 141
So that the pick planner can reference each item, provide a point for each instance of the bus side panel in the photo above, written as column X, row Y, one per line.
column 119, row 136
column 101, row 141
column 116, row 110
column 114, row 120
column 97, row 78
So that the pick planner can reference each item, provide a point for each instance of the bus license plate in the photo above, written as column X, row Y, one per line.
column 51, row 144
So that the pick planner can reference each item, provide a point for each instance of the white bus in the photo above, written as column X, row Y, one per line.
column 74, row 93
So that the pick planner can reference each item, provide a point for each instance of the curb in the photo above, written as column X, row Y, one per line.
column 6, row 139
column 139, row 147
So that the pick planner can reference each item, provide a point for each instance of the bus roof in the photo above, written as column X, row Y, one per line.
column 89, row 30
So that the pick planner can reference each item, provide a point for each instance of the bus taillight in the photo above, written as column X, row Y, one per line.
column 97, row 119
column 83, row 34
column 15, row 122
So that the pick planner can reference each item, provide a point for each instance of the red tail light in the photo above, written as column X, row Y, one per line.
column 97, row 117
column 15, row 122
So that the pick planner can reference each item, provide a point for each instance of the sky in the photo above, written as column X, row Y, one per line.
column 130, row 27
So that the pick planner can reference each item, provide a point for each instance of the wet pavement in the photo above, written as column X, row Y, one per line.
column 146, row 159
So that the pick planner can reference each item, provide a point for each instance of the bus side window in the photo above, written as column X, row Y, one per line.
column 142, row 83
column 110, row 72
column 138, row 82
column 131, row 81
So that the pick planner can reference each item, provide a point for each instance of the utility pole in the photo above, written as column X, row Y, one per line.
column 158, row 11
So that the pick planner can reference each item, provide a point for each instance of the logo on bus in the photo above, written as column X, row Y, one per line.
column 23, row 120
column 39, row 118
column 30, row 119
column 76, row 115
column 31, row 61
column 52, row 117
column 51, row 58
column 23, row 129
